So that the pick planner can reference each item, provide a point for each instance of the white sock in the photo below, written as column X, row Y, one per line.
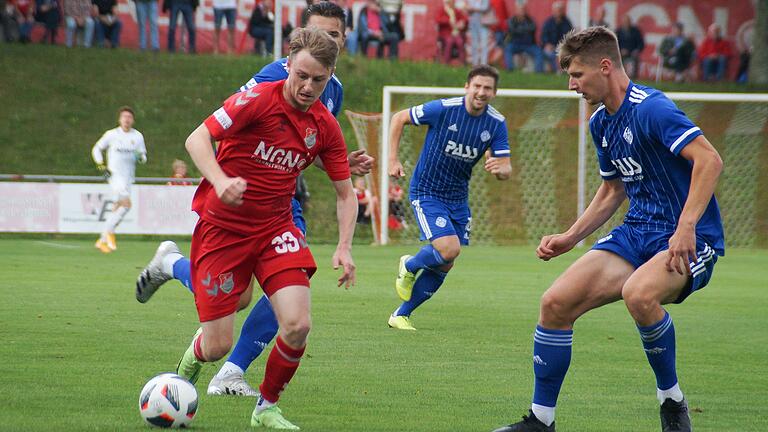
column 115, row 218
column 673, row 393
column 263, row 404
column 229, row 368
column 545, row 414
column 169, row 260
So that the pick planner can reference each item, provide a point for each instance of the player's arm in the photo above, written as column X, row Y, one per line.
column 360, row 163
column 229, row 189
column 396, row 125
column 607, row 200
column 141, row 153
column 346, row 213
column 707, row 166
column 501, row 167
column 98, row 148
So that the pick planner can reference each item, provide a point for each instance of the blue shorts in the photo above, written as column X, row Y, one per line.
column 638, row 247
column 298, row 216
column 439, row 219
column 219, row 14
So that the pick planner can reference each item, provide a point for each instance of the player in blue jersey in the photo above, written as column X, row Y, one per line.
column 462, row 131
column 260, row 327
column 665, row 250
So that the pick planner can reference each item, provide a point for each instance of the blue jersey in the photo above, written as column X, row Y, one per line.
column 332, row 96
column 641, row 144
column 454, row 143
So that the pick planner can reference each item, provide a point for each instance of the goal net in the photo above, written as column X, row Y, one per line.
column 555, row 172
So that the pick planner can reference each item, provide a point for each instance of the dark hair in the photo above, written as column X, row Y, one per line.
column 484, row 70
column 317, row 42
column 325, row 9
column 125, row 108
column 591, row 45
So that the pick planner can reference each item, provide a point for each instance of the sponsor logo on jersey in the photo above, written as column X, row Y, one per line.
column 223, row 118
column 628, row 135
column 629, row 168
column 441, row 222
column 419, row 111
column 310, row 138
column 461, row 151
column 605, row 143
column 278, row 158
column 485, row 136
column 453, row 128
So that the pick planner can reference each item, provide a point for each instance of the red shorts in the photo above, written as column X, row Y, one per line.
column 223, row 262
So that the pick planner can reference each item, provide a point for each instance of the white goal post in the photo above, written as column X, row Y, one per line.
column 742, row 99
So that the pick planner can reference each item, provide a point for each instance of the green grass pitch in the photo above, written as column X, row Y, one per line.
column 76, row 347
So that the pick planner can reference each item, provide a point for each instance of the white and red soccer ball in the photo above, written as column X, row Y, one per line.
column 168, row 401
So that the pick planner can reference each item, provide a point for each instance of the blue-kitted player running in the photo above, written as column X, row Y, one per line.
column 461, row 131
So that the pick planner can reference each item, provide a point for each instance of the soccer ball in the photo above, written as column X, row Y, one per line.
column 168, row 401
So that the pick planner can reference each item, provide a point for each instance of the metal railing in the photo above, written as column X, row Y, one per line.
column 50, row 178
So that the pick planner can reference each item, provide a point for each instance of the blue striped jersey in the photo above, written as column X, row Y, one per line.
column 641, row 144
column 454, row 143
column 332, row 96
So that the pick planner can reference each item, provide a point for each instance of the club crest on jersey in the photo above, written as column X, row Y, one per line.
column 310, row 138
column 628, row 135
column 441, row 222
column 485, row 136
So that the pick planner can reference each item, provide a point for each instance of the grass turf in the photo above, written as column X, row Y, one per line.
column 77, row 347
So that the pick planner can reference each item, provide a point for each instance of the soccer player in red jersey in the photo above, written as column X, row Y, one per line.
column 267, row 135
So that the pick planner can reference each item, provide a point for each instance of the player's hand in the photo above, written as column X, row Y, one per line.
column 360, row 163
column 343, row 258
column 103, row 169
column 554, row 245
column 682, row 249
column 396, row 169
column 499, row 167
column 230, row 190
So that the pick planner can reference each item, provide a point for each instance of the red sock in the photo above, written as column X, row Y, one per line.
column 197, row 348
column 281, row 365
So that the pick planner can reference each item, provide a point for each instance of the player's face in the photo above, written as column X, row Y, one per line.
column 332, row 26
column 306, row 80
column 125, row 120
column 479, row 93
column 589, row 80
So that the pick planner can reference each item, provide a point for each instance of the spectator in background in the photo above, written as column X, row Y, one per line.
column 224, row 9
column 383, row 28
column 187, row 10
column 77, row 15
column 146, row 15
column 714, row 54
column 677, row 51
column 47, row 13
column 261, row 27
column 500, row 28
column 108, row 26
column 179, row 173
column 481, row 18
column 522, row 39
column 349, row 28
column 631, row 44
column 364, row 201
column 452, row 32
column 396, row 208
column 22, row 12
column 599, row 18
column 555, row 27
column 742, row 75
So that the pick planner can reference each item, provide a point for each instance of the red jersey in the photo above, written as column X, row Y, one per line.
column 267, row 142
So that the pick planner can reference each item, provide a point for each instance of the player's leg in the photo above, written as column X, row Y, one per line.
column 644, row 293
column 595, row 279
column 122, row 188
column 258, row 330
column 167, row 263
column 291, row 304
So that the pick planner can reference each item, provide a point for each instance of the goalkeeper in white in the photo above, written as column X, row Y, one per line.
column 124, row 146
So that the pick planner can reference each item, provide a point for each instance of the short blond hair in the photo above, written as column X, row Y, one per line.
column 317, row 43
column 591, row 45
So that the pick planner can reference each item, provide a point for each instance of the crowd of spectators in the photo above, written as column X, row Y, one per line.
column 466, row 34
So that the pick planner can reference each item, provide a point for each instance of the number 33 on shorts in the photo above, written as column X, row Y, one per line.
column 287, row 242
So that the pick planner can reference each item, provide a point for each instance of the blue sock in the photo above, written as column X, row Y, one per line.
column 427, row 257
column 182, row 271
column 551, row 358
column 659, row 344
column 425, row 287
column 258, row 330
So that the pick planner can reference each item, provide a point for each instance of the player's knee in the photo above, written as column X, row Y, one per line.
column 450, row 252
column 640, row 301
column 296, row 331
column 555, row 312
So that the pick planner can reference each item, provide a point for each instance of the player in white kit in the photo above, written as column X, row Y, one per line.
column 125, row 147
